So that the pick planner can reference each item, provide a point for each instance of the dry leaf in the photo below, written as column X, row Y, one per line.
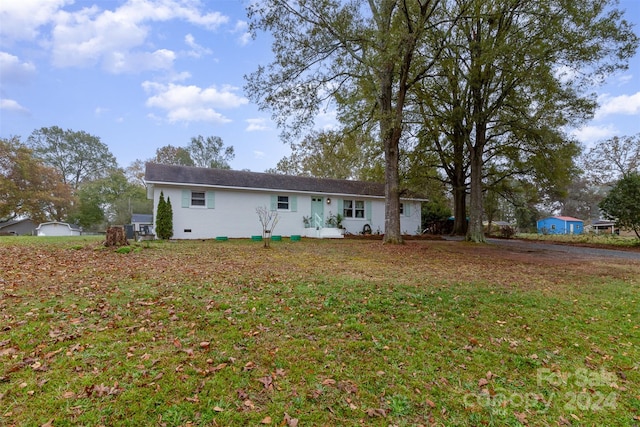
column 522, row 417
column 376, row 412
column 266, row 420
column 291, row 422
column 482, row 382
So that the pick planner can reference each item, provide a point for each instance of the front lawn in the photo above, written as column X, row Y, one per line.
column 315, row 333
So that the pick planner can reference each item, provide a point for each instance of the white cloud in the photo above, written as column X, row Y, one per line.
column 192, row 103
column 245, row 36
column 11, row 105
column 624, row 79
column 99, row 111
column 196, row 50
column 623, row 104
column 256, row 125
column 21, row 20
column 13, row 70
column 588, row 134
column 259, row 154
column 119, row 39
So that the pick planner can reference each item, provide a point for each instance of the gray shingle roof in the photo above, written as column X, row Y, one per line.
column 170, row 174
column 146, row 218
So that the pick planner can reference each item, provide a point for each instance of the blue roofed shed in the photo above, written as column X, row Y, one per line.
column 560, row 225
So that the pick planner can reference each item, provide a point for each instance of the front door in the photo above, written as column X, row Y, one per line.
column 317, row 212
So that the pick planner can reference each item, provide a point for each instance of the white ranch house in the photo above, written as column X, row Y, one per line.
column 210, row 203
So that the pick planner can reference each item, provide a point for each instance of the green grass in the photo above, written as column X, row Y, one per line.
column 343, row 333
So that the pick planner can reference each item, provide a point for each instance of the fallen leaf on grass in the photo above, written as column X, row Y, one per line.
column 430, row 403
column 8, row 351
column 291, row 422
column 266, row 420
column 348, row 387
column 522, row 417
column 217, row 368
column 267, row 382
column 376, row 412
column 482, row 382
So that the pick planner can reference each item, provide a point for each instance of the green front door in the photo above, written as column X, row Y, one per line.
column 317, row 212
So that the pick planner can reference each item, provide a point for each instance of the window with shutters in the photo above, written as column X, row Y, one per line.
column 198, row 198
column 283, row 203
column 353, row 209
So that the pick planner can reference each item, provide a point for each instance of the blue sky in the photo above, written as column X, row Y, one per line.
column 141, row 74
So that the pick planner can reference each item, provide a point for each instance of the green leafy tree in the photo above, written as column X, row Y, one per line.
column 210, row 152
column 109, row 200
column 28, row 187
column 613, row 158
column 170, row 155
column 623, row 203
column 164, row 219
column 508, row 98
column 77, row 155
column 169, row 220
column 363, row 53
column 88, row 212
column 332, row 154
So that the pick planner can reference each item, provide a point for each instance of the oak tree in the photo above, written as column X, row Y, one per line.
column 77, row 155
column 328, row 50
column 28, row 187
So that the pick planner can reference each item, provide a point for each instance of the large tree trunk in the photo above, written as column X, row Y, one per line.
column 391, row 130
column 475, row 233
column 459, row 210
column 392, row 233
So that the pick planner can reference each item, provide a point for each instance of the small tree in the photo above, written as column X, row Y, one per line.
column 164, row 219
column 169, row 218
column 269, row 220
column 623, row 203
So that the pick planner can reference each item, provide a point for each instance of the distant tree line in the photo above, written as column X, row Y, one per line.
column 71, row 176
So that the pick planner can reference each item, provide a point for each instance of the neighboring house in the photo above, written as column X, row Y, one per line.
column 18, row 227
column 209, row 203
column 560, row 225
column 603, row 226
column 55, row 228
column 142, row 223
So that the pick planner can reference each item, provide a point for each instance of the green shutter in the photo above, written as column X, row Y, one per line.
column 186, row 198
column 293, row 203
column 211, row 200
column 341, row 207
column 367, row 209
column 274, row 202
